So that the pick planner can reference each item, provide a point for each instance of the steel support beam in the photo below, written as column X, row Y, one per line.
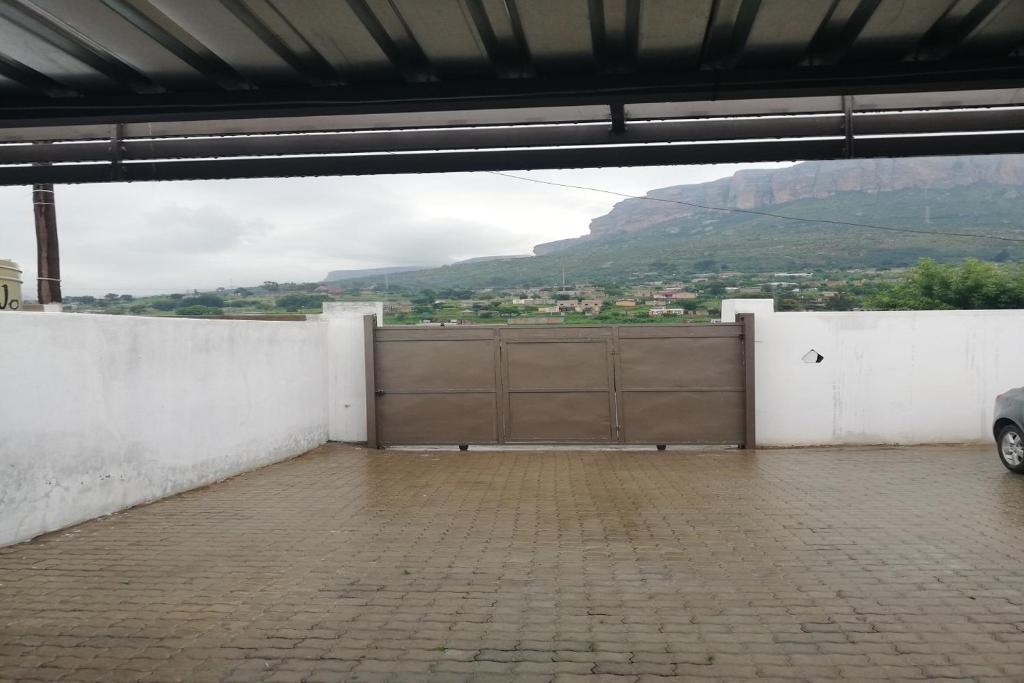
column 515, row 93
column 494, row 160
column 853, row 127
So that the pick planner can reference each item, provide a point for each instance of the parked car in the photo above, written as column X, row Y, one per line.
column 1008, row 429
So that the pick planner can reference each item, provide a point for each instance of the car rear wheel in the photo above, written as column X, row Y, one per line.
column 1011, row 448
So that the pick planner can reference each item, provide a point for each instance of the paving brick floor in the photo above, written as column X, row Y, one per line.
column 347, row 564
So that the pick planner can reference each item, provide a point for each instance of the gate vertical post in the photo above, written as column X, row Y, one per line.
column 749, row 389
column 369, row 326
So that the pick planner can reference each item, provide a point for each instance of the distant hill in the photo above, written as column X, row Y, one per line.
column 485, row 259
column 361, row 275
column 758, row 189
column 639, row 238
column 336, row 275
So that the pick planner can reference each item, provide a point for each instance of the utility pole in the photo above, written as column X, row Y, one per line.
column 47, row 248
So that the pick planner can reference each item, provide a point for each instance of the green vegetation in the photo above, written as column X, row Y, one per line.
column 197, row 310
column 972, row 285
column 297, row 302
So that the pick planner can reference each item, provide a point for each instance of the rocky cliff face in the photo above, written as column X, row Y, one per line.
column 755, row 189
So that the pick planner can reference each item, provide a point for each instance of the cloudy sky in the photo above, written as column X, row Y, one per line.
column 146, row 238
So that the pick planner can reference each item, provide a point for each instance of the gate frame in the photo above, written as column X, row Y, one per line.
column 746, row 336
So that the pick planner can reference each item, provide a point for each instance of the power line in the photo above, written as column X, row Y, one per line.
column 759, row 213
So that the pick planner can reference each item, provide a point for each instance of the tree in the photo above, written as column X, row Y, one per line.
column 198, row 310
column 715, row 289
column 972, row 285
column 840, row 302
column 163, row 304
column 211, row 300
column 293, row 302
column 425, row 298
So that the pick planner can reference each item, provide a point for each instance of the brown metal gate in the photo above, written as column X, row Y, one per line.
column 630, row 384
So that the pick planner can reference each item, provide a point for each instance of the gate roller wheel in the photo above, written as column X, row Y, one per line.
column 661, row 447
column 463, row 447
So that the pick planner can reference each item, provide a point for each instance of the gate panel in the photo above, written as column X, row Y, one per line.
column 558, row 385
column 681, row 384
column 560, row 416
column 436, row 386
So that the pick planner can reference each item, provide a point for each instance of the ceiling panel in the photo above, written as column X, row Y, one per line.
column 558, row 33
column 895, row 28
column 223, row 33
column 672, row 33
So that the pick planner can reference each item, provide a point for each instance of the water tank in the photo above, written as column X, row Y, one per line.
column 10, row 286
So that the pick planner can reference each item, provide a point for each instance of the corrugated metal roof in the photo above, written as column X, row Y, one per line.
column 67, row 66
column 73, row 49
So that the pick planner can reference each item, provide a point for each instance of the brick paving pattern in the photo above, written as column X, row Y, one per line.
column 347, row 564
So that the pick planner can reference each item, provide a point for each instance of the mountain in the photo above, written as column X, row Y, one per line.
column 640, row 238
column 336, row 275
column 485, row 259
column 757, row 189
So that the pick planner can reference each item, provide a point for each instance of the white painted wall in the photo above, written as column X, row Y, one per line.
column 888, row 377
column 346, row 367
column 99, row 413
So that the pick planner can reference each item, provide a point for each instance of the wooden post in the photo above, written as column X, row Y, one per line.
column 47, row 247
column 369, row 326
column 749, row 388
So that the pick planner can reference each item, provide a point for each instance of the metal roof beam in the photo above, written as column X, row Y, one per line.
column 428, row 140
column 842, row 25
column 312, row 66
column 614, row 31
column 953, row 29
column 199, row 58
column 64, row 38
column 511, row 137
column 497, row 160
column 402, row 50
column 32, row 79
column 516, row 93
column 728, row 30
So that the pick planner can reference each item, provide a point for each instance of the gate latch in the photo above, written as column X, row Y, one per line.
column 379, row 392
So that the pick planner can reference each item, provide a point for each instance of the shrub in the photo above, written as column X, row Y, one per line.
column 198, row 310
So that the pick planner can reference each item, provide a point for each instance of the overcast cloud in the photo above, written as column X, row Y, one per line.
column 145, row 238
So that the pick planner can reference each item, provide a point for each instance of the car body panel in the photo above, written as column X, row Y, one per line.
column 1009, row 406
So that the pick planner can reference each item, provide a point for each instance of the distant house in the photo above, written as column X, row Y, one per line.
column 626, row 303
column 590, row 306
column 667, row 311
column 674, row 295
column 398, row 307
column 549, row 309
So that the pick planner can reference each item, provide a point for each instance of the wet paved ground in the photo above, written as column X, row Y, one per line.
column 350, row 564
